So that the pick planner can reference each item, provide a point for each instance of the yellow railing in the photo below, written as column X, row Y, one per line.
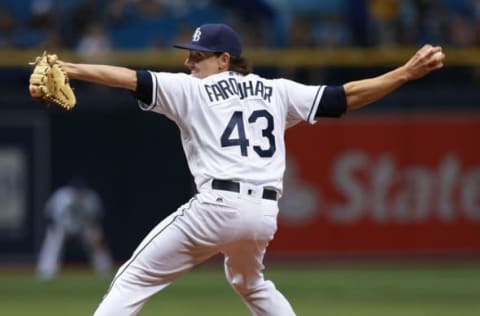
column 172, row 58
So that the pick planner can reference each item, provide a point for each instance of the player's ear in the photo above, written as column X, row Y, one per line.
column 224, row 61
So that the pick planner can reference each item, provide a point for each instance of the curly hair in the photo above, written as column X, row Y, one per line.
column 240, row 65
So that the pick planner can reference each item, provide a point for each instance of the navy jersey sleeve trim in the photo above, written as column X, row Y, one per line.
column 333, row 102
column 145, row 88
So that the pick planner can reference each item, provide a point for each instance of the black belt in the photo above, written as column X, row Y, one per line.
column 227, row 185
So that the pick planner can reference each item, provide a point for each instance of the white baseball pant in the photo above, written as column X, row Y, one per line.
column 239, row 225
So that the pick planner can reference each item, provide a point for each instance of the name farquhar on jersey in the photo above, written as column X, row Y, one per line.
column 227, row 88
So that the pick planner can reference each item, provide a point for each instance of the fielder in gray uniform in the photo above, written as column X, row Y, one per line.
column 73, row 211
column 232, row 125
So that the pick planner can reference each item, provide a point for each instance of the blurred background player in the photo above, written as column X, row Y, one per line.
column 73, row 211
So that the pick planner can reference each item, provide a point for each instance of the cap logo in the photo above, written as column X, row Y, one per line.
column 196, row 35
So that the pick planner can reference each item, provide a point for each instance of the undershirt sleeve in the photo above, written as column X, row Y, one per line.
column 333, row 102
column 144, row 89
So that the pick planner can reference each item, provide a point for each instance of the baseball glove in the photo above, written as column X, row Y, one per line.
column 49, row 82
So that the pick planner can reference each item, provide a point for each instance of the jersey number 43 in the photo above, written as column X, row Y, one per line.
column 236, row 122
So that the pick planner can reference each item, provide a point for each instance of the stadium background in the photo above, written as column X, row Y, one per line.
column 409, row 190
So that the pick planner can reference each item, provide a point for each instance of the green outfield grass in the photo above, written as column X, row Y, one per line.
column 325, row 291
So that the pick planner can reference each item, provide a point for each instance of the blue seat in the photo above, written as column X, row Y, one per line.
column 143, row 33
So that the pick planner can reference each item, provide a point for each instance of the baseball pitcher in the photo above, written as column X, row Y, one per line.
column 232, row 125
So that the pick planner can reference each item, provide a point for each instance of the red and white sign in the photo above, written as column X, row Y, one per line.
column 382, row 185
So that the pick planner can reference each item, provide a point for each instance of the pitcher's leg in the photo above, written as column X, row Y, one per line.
column 243, row 269
column 165, row 254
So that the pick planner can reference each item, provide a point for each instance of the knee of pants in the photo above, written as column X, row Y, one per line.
column 246, row 287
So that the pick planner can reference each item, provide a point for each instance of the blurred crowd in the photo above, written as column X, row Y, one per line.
column 91, row 26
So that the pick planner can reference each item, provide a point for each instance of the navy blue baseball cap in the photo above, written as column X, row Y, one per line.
column 215, row 38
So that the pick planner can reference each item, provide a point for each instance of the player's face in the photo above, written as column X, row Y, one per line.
column 204, row 64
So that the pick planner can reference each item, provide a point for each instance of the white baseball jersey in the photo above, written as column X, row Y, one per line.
column 232, row 126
